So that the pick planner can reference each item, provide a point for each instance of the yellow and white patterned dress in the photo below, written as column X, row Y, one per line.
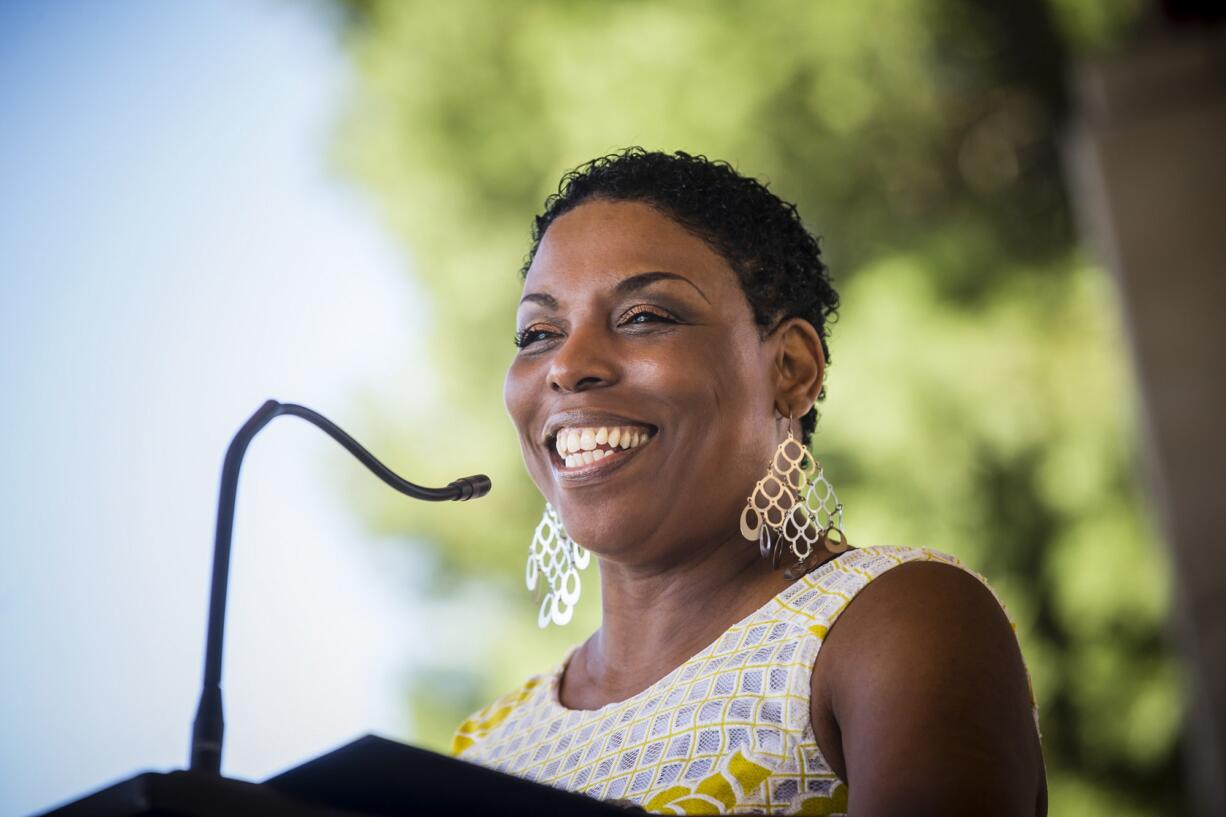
column 728, row 731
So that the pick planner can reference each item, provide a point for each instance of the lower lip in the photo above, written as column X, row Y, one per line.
column 598, row 469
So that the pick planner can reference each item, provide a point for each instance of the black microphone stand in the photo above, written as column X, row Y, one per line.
column 368, row 777
column 209, row 726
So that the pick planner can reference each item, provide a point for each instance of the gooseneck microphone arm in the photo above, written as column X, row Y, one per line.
column 209, row 724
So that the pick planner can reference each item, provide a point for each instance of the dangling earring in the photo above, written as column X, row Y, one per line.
column 794, row 507
column 560, row 558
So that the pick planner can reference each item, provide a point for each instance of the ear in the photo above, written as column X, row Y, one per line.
column 800, row 366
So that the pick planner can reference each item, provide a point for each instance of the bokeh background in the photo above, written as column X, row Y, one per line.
column 212, row 203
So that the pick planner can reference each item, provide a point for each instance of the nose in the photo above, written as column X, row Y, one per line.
column 584, row 361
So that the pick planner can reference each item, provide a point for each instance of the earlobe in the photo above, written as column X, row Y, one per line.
column 800, row 366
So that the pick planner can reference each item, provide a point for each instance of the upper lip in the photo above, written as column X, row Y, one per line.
column 587, row 418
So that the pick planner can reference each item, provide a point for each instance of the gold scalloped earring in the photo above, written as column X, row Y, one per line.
column 794, row 508
column 560, row 558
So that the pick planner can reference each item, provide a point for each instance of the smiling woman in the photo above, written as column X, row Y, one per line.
column 672, row 347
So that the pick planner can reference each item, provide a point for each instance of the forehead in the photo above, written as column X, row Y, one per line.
column 601, row 242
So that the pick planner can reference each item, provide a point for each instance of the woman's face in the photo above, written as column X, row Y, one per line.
column 644, row 397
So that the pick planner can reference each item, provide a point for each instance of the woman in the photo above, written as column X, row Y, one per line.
column 672, row 346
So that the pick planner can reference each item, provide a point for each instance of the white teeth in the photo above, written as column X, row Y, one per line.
column 578, row 446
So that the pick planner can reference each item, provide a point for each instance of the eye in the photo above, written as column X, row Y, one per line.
column 645, row 313
column 534, row 334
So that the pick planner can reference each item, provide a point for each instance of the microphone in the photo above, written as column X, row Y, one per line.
column 209, row 725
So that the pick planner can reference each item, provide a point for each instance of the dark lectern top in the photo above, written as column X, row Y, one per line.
column 369, row 777
column 376, row 776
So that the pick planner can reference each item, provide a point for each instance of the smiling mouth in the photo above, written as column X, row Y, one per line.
column 578, row 448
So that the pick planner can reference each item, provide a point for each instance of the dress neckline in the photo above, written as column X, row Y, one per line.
column 554, row 687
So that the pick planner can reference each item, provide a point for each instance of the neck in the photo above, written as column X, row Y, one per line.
column 654, row 618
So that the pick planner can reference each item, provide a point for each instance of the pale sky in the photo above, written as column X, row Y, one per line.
column 174, row 249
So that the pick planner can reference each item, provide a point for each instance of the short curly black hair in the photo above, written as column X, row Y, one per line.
column 778, row 262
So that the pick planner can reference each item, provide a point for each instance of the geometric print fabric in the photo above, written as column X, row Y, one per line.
column 726, row 732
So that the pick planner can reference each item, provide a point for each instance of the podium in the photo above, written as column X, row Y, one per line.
column 369, row 777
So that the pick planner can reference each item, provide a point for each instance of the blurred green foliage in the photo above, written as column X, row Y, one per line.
column 978, row 403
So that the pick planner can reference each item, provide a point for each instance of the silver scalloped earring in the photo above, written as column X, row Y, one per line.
column 793, row 507
column 560, row 558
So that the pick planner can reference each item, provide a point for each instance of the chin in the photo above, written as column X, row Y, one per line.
column 598, row 532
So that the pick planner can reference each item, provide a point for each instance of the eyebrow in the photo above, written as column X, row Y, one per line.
column 645, row 279
column 632, row 284
column 547, row 301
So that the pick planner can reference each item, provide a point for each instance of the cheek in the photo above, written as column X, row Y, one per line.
column 738, row 429
column 520, row 396
column 730, row 377
column 521, row 393
column 722, row 397
column 720, row 410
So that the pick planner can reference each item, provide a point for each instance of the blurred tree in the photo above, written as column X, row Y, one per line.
column 979, row 402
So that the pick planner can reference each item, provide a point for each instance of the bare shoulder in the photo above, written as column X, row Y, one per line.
column 921, row 700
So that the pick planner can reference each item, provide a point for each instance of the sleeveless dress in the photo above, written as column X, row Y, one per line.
column 728, row 731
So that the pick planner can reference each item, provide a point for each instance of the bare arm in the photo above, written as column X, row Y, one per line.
column 920, row 701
